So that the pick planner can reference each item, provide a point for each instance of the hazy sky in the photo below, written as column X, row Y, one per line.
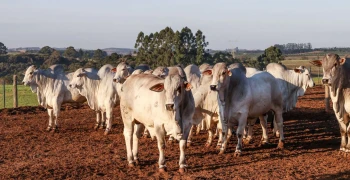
column 254, row 24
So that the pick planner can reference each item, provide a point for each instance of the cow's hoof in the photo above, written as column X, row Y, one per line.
column 162, row 170
column 237, row 154
column 131, row 165
column 137, row 162
column 188, row 144
column 264, row 144
column 96, row 127
column 221, row 151
column 182, row 170
column 280, row 145
column 48, row 129
column 106, row 132
column 246, row 141
column 207, row 144
column 55, row 130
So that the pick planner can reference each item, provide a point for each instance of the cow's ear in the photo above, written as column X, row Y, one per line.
column 114, row 70
column 188, row 86
column 208, row 72
column 297, row 70
column 342, row 61
column 317, row 63
column 157, row 88
column 229, row 73
column 82, row 74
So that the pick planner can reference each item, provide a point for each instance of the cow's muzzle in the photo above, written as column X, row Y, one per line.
column 169, row 107
column 325, row 81
column 213, row 87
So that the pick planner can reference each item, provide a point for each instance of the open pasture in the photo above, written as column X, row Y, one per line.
column 78, row 152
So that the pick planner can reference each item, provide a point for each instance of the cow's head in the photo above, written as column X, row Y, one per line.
column 161, row 71
column 78, row 78
column 121, row 72
column 305, row 77
column 30, row 78
column 330, row 63
column 174, row 87
column 220, row 74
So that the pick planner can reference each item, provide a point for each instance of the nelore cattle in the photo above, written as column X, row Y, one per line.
column 241, row 99
column 336, row 75
column 164, row 106
column 51, row 87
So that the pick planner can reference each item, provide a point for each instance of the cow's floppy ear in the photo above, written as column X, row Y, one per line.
column 208, row 72
column 297, row 70
column 342, row 61
column 188, row 86
column 229, row 73
column 317, row 63
column 157, row 88
column 114, row 70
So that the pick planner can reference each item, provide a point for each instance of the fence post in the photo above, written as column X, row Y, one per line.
column 326, row 97
column 3, row 83
column 14, row 90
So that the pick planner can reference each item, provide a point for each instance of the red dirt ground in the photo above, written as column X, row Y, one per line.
column 79, row 152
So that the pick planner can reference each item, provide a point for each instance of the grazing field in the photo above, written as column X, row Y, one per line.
column 79, row 152
column 25, row 96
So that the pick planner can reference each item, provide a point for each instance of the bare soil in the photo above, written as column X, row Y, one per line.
column 27, row 151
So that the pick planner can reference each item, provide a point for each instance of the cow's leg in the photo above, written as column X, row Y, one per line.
column 210, row 138
column 279, row 122
column 343, row 143
column 242, row 122
column 171, row 139
column 50, row 112
column 250, row 126
column 275, row 127
column 182, row 144
column 103, row 124
column 138, row 129
column 109, row 118
column 98, row 119
column 263, row 123
column 189, row 139
column 348, row 145
column 198, row 128
column 128, row 132
column 160, row 135
column 56, row 112
column 146, row 133
column 220, row 138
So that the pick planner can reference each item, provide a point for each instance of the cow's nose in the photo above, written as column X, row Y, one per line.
column 324, row 81
column 213, row 87
column 169, row 107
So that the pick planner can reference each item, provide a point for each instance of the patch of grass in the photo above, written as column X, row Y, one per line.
column 25, row 96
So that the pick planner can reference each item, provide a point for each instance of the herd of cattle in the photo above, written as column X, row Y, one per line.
column 171, row 100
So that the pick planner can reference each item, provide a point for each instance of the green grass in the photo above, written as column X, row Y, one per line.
column 25, row 96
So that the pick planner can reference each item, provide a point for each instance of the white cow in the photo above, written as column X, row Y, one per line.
column 293, row 84
column 164, row 106
column 51, row 87
column 99, row 90
column 241, row 99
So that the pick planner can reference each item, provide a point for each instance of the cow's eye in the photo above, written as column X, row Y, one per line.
column 31, row 73
column 223, row 73
column 307, row 74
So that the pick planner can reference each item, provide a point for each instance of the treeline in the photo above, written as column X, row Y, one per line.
column 334, row 49
column 292, row 48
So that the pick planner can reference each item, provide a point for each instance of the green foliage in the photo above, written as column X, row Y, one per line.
column 167, row 48
column 25, row 96
column 222, row 56
column 99, row 55
column 270, row 55
column 3, row 49
column 46, row 50
column 70, row 52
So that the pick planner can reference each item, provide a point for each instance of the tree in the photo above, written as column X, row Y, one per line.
column 270, row 55
column 3, row 48
column 46, row 50
column 99, row 55
column 80, row 53
column 70, row 52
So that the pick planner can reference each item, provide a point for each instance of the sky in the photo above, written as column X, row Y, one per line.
column 246, row 24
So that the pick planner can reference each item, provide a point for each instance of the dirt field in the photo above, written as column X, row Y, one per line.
column 79, row 152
